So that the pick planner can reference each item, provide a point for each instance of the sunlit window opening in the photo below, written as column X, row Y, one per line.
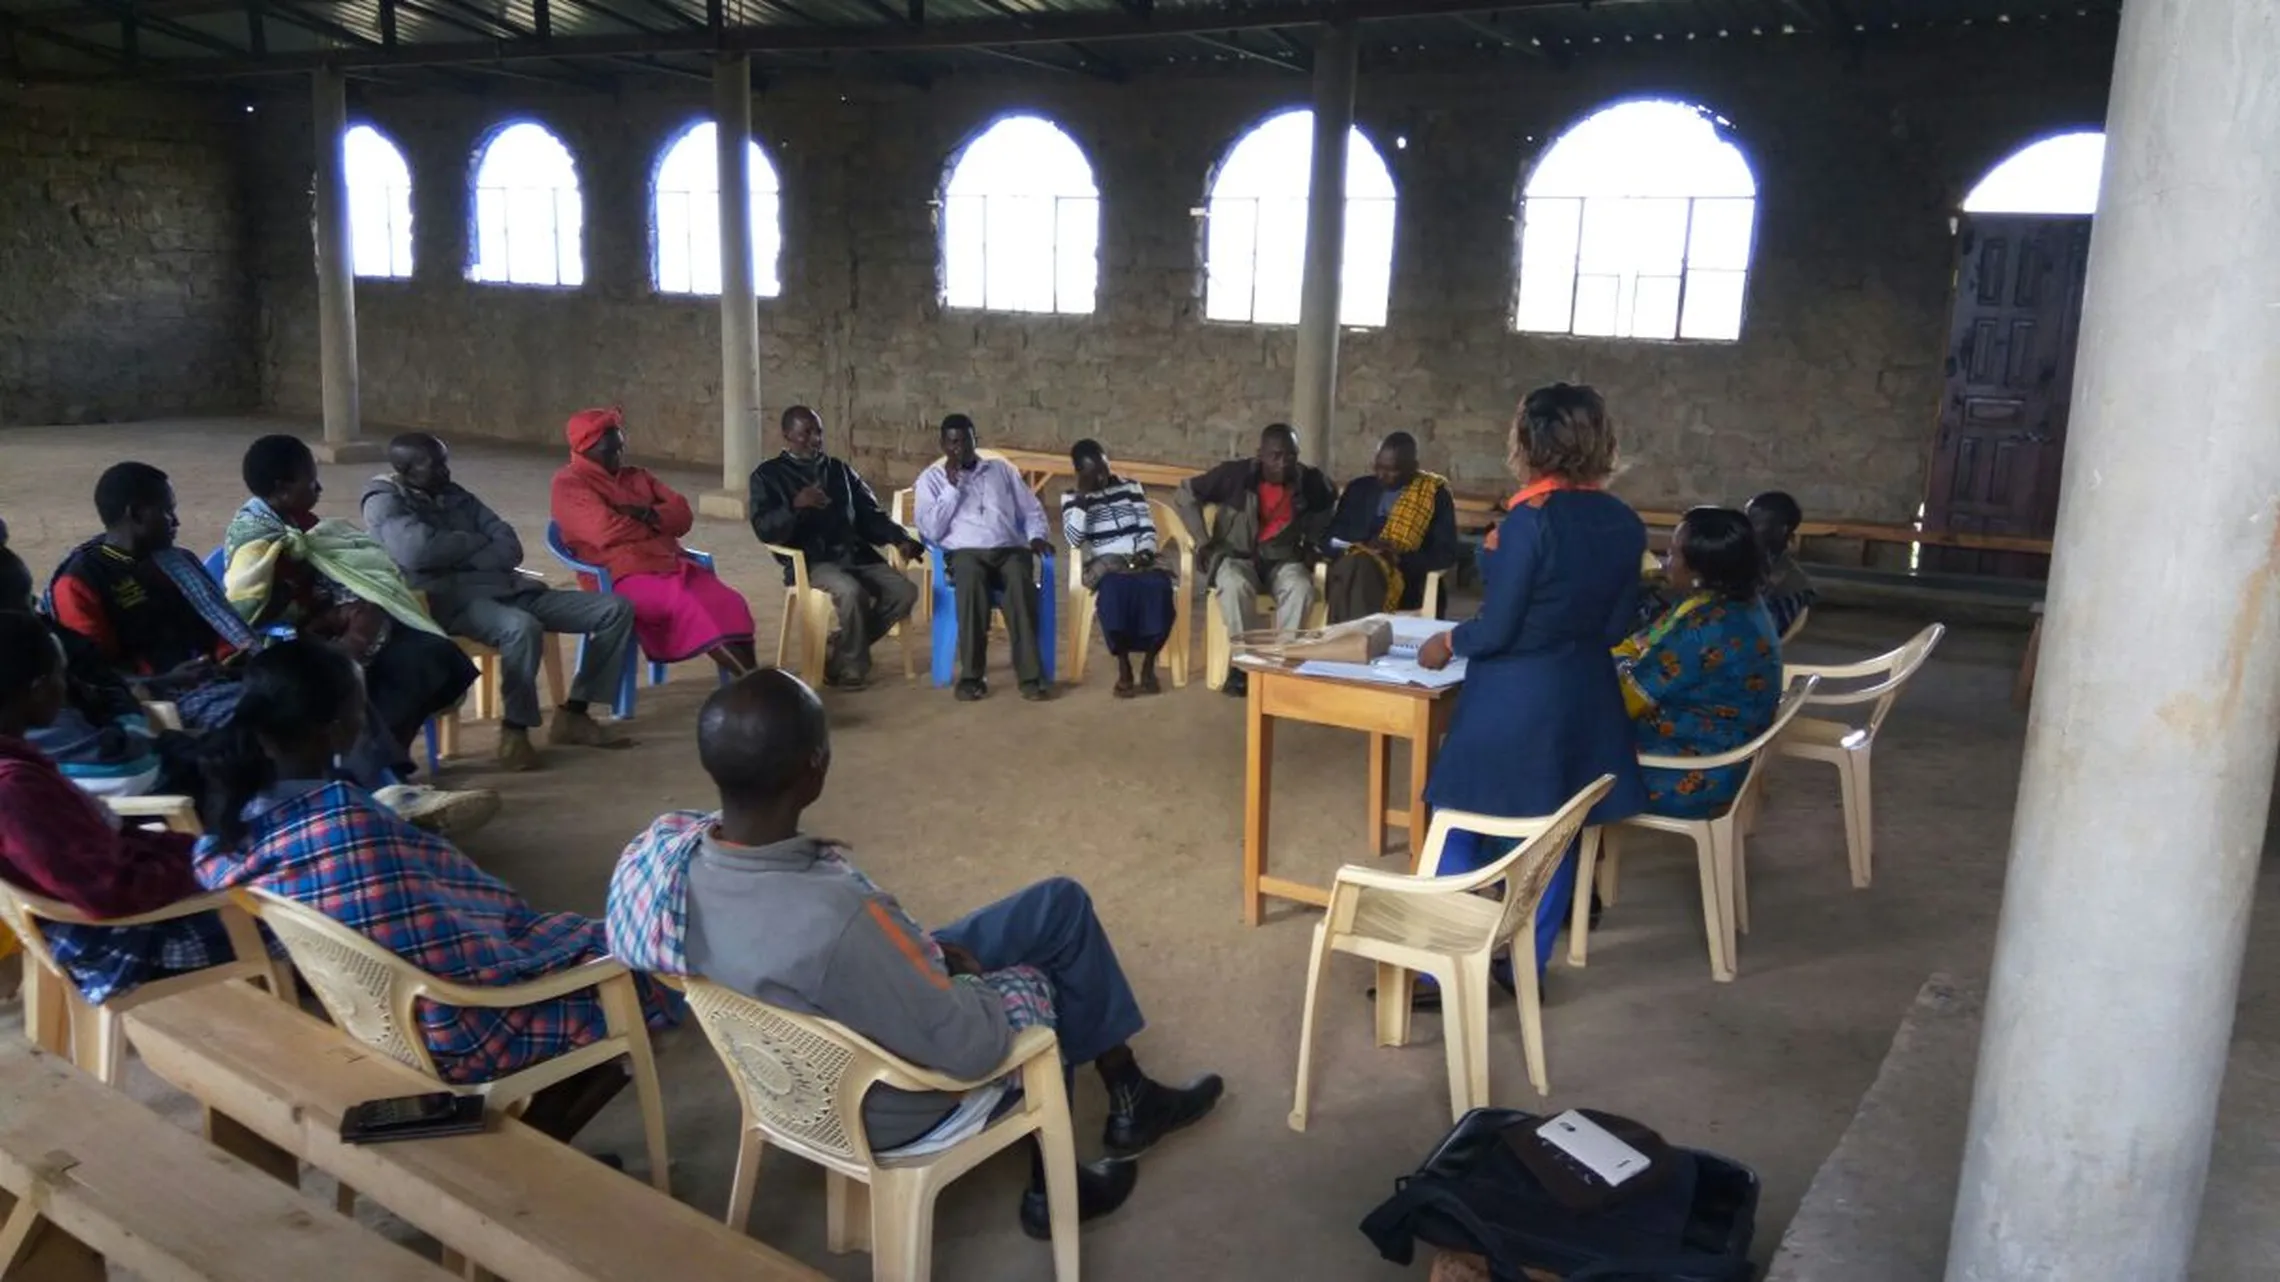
column 1254, row 245
column 1637, row 224
column 2055, row 176
column 685, row 220
column 1021, row 222
column 529, row 222
column 379, row 204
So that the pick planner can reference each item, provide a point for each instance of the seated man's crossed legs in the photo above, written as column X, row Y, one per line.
column 1011, row 573
column 517, row 627
column 867, row 601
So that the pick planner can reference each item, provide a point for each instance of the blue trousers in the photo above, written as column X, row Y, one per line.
column 1466, row 851
column 1051, row 925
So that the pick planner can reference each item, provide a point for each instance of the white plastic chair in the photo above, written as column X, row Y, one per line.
column 802, row 1079
column 1430, row 606
column 1218, row 646
column 53, row 1007
column 1796, row 625
column 1174, row 543
column 808, row 609
column 1717, row 843
column 373, row 995
column 1845, row 745
column 1424, row 922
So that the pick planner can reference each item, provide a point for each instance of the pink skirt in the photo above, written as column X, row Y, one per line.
column 680, row 616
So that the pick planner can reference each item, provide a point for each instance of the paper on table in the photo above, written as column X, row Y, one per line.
column 1390, row 670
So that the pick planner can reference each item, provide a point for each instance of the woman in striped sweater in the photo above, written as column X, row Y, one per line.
column 1106, row 522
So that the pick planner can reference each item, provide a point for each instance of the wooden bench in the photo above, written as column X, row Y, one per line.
column 91, row 1177
column 275, row 1082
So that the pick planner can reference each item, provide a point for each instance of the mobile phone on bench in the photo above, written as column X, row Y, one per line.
column 412, row 1117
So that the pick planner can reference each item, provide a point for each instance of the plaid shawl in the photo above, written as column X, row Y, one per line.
column 345, row 555
column 648, row 914
column 340, row 852
column 1404, row 530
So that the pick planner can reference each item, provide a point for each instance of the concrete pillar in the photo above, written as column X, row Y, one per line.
column 2150, row 752
column 739, row 312
column 336, row 273
column 1314, row 391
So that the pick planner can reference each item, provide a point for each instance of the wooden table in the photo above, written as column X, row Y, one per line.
column 1384, row 712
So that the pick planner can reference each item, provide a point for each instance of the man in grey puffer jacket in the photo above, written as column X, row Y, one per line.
column 453, row 547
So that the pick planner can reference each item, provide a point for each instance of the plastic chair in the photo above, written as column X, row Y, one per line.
column 1172, row 539
column 54, row 1010
column 373, row 995
column 801, row 1081
column 899, row 509
column 1717, row 844
column 1845, row 745
column 437, row 728
column 945, row 616
column 1430, row 606
column 809, row 609
column 1440, row 925
column 623, row 708
column 1218, row 647
column 1796, row 625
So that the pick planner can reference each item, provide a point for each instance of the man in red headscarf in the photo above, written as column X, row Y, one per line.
column 629, row 523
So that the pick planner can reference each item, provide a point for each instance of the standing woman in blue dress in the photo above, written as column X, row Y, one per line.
column 1541, row 714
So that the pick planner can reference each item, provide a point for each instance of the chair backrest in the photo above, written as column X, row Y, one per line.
column 366, row 989
column 1527, row 870
column 800, row 1078
column 217, row 564
column 1887, row 675
column 561, row 553
column 1796, row 625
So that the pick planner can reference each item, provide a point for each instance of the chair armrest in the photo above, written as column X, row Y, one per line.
column 1028, row 1044
column 578, row 978
column 702, row 558
column 1875, row 667
column 50, row 910
column 1402, row 883
column 162, row 715
column 1731, row 757
column 154, row 807
column 798, row 560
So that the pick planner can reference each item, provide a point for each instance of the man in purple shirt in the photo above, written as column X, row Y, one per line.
column 992, row 530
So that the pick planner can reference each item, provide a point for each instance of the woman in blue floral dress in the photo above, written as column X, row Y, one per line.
column 1705, row 676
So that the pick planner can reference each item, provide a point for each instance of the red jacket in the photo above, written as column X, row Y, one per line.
column 584, row 492
column 59, row 842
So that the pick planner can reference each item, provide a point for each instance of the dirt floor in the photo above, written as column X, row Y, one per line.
column 949, row 805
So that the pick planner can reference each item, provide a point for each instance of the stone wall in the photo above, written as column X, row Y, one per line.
column 124, row 289
column 1831, row 392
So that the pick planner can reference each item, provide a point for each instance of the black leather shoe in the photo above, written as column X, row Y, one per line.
column 1036, row 692
column 1155, row 1111
column 1238, row 685
column 972, row 690
column 1101, row 1187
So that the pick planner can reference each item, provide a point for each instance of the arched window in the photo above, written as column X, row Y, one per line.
column 529, row 222
column 1637, row 224
column 2055, row 176
column 1021, row 222
column 379, row 204
column 1254, row 245
column 685, row 217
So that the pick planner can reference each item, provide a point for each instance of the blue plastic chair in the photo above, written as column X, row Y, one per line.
column 945, row 636
column 657, row 671
column 217, row 566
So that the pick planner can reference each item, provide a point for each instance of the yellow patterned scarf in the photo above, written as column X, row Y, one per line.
column 1404, row 531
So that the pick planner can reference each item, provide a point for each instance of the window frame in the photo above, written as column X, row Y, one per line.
column 768, row 277
column 411, row 210
column 475, row 191
column 942, row 207
column 1686, row 249
column 1211, row 195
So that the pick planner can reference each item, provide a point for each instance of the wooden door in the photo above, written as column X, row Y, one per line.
column 2010, row 372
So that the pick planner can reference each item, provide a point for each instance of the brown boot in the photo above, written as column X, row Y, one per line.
column 578, row 730
column 516, row 751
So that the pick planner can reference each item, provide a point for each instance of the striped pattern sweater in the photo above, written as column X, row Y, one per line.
column 1109, row 522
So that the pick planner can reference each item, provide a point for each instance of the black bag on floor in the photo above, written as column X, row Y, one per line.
column 1689, row 1220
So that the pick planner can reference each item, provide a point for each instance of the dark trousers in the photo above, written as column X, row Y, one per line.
column 415, row 676
column 977, row 572
column 1050, row 925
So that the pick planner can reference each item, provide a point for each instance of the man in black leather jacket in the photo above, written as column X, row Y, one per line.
column 803, row 498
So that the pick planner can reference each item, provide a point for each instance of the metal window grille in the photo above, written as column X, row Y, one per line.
column 1255, row 254
column 1021, row 253
column 1634, row 266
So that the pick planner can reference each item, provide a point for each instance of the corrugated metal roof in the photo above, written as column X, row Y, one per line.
column 178, row 38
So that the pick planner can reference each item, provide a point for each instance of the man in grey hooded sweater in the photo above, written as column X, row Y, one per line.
column 453, row 547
